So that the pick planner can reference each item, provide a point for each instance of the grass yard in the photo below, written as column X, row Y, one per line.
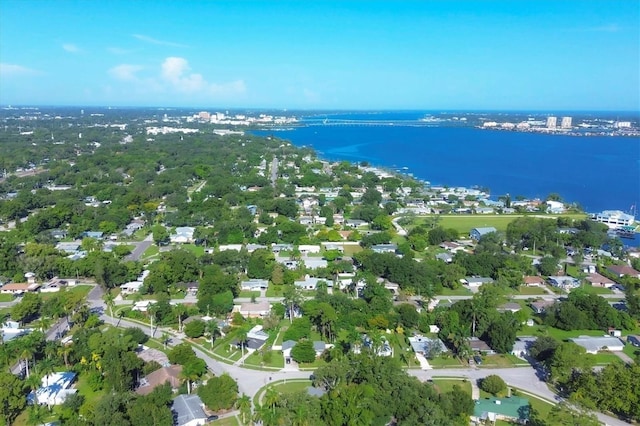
column 224, row 350
column 500, row 361
column 274, row 291
column 256, row 359
column 292, row 386
column 350, row 250
column 595, row 290
column 604, row 358
column 533, row 291
column 462, row 291
column 313, row 365
column 446, row 385
column 197, row 250
column 227, row 421
column 6, row 297
column 249, row 294
column 631, row 350
column 444, row 362
column 153, row 250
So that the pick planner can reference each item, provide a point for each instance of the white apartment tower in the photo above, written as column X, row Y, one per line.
column 566, row 123
column 552, row 122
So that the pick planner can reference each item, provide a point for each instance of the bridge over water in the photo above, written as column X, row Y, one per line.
column 345, row 122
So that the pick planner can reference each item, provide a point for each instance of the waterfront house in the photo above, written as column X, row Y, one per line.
column 477, row 233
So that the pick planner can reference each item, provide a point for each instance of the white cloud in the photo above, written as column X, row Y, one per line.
column 175, row 71
column 11, row 70
column 71, row 48
column 175, row 76
column 125, row 72
column 152, row 40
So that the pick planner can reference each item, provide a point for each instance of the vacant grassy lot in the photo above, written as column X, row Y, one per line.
column 446, row 385
column 526, row 290
column 464, row 223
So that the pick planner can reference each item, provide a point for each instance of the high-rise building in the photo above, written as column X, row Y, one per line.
column 566, row 123
column 552, row 122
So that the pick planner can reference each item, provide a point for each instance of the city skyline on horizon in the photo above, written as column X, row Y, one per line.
column 425, row 56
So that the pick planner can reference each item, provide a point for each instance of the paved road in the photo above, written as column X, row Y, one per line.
column 141, row 247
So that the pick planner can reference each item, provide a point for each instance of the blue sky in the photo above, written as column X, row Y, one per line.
column 528, row 55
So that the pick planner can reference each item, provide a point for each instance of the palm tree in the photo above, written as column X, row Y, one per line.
column 242, row 339
column 180, row 311
column 301, row 416
column 120, row 315
column 44, row 324
column 244, row 405
column 271, row 398
column 165, row 339
column 65, row 351
column 110, row 302
column 26, row 355
column 214, row 331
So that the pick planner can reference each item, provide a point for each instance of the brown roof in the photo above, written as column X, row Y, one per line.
column 599, row 279
column 16, row 287
column 159, row 377
column 533, row 280
column 623, row 270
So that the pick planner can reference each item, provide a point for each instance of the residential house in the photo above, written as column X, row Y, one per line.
column 254, row 284
column 131, row 287
column 309, row 283
column 159, row 377
column 477, row 233
column 385, row 248
column 253, row 310
column 183, row 235
column 355, row 223
column 540, row 306
column 318, row 346
column 189, row 411
column 384, row 349
column 427, row 346
column 521, row 346
column 277, row 248
column 512, row 307
column 19, row 288
column 512, row 409
column 143, row 305
column 533, row 281
column 477, row 281
column 54, row 389
column 69, row 247
column 314, row 262
column 253, row 247
column 58, row 234
column 597, row 280
column 234, row 247
column 306, row 248
column 93, row 234
column 478, row 345
column 445, row 257
column 452, row 247
column 150, row 354
column 256, row 338
column 563, row 282
column 593, row 345
column 555, row 207
column 623, row 270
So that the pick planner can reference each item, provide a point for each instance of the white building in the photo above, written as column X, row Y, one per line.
column 54, row 390
column 566, row 123
column 552, row 122
column 614, row 218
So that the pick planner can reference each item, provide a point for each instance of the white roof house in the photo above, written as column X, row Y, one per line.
column 183, row 234
column 595, row 344
column 131, row 287
column 54, row 390
column 254, row 284
column 189, row 410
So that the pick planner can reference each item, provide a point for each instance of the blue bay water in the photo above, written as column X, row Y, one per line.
column 597, row 172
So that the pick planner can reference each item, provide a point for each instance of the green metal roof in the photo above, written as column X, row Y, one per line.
column 514, row 407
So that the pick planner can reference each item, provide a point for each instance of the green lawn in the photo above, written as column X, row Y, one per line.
column 444, row 362
column 223, row 349
column 500, row 361
column 603, row 358
column 197, row 250
column 256, row 359
column 463, row 223
column 6, row 297
column 227, row 421
column 526, row 290
column 462, row 291
column 274, row 291
column 153, row 250
column 595, row 290
column 446, row 385
column 315, row 364
column 291, row 386
column 249, row 294
column 631, row 350
column 350, row 250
